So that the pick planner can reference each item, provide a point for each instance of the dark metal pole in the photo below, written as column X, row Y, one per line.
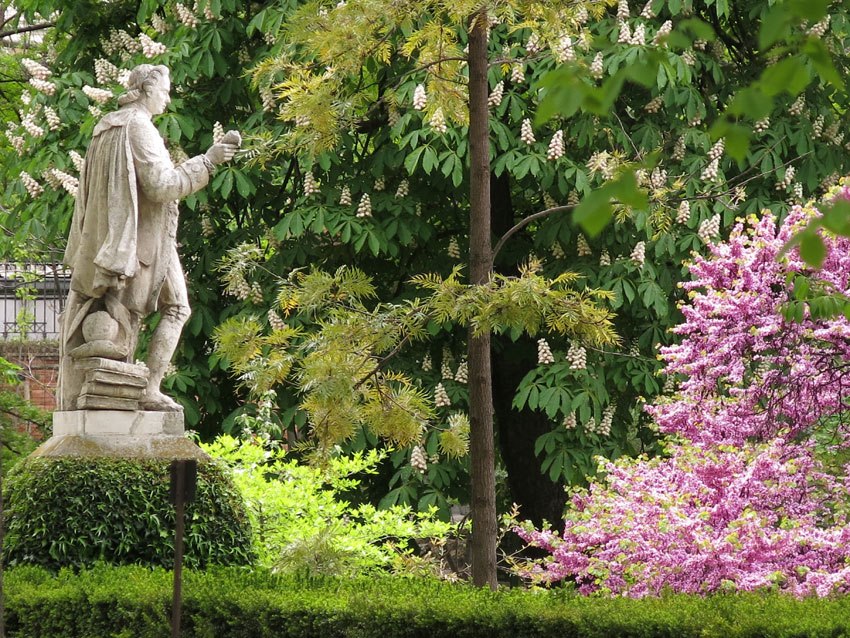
column 180, row 506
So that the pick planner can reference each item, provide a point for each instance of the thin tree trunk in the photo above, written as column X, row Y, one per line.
column 482, row 453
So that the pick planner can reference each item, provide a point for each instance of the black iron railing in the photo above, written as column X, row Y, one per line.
column 31, row 297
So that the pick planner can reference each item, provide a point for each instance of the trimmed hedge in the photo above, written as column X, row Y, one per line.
column 124, row 602
column 77, row 512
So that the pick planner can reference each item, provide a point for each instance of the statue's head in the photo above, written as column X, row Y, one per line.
column 148, row 85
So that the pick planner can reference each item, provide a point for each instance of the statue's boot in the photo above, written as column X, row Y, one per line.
column 160, row 350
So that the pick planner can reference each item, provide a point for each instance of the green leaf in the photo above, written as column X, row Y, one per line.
column 775, row 26
column 812, row 249
column 593, row 212
column 751, row 102
column 789, row 75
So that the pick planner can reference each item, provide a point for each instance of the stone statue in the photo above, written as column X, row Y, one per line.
column 123, row 254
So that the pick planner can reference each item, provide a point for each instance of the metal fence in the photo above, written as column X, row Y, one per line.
column 31, row 297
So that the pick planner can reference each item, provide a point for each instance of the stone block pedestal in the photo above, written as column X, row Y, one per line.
column 119, row 433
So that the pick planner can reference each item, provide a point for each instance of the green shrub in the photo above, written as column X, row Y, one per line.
column 78, row 512
column 228, row 602
column 302, row 522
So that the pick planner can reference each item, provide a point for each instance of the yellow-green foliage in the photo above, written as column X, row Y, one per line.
column 341, row 366
column 325, row 74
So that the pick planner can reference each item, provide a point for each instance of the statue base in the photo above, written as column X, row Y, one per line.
column 119, row 434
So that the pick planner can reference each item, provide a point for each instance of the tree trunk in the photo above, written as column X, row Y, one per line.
column 481, row 444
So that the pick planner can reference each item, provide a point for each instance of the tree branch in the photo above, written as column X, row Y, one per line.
column 524, row 222
column 27, row 29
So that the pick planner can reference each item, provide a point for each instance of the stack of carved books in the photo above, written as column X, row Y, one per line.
column 110, row 384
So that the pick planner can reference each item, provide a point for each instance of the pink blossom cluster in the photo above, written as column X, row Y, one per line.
column 742, row 500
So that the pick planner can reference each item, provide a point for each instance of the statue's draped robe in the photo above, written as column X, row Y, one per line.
column 125, row 223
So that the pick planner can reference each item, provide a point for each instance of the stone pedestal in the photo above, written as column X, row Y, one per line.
column 119, row 433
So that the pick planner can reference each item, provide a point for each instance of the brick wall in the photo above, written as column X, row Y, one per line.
column 39, row 362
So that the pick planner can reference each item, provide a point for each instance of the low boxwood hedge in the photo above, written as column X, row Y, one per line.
column 125, row 602
column 76, row 512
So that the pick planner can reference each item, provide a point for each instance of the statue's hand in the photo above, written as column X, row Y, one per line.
column 106, row 279
column 225, row 149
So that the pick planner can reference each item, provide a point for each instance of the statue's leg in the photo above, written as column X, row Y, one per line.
column 174, row 309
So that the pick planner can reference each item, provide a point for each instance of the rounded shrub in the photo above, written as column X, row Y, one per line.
column 75, row 512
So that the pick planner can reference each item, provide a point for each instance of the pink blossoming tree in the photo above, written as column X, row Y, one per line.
column 744, row 498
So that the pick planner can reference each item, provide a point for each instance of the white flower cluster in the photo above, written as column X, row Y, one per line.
column 462, row 373
column 658, row 178
column 833, row 135
column 533, row 44
column 549, row 201
column 787, row 179
column 569, row 422
column 582, row 247
column 267, row 98
column 438, row 121
column 52, row 118
column 683, row 214
column 158, row 23
column 33, row 129
column 797, row 105
column 647, row 13
column 581, row 15
column 716, row 151
column 420, row 98
column 689, row 58
column 662, row 33
column 393, row 115
column 256, row 294
column 207, row 229
column 185, row 15
column 819, row 29
column 496, row 95
column 577, row 357
column 208, row 12
column 625, row 35
column 100, row 96
column 311, row 186
column 36, row 70
column 557, row 251
column 453, row 249
column 120, row 42
column 600, row 162
column 66, row 181
column 150, row 48
column 33, row 187
column 654, row 105
column 446, row 368
column 622, row 9
column 43, row 86
column 761, row 125
column 517, row 73
column 78, row 160
column 418, row 461
column 678, row 153
column 709, row 173
column 302, row 121
column 525, row 133
column 426, row 363
column 364, row 208
column 604, row 258
column 604, row 426
column 403, row 189
column 564, row 51
column 441, row 397
column 345, row 196
column 556, row 146
column 16, row 141
column 572, row 199
column 638, row 255
column 709, row 228
column 817, row 126
column 544, row 353
column 596, row 68
column 639, row 36
column 798, row 192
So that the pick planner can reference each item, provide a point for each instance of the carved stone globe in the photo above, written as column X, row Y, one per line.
column 100, row 326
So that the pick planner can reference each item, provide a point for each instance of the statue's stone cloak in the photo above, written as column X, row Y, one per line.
column 125, row 219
